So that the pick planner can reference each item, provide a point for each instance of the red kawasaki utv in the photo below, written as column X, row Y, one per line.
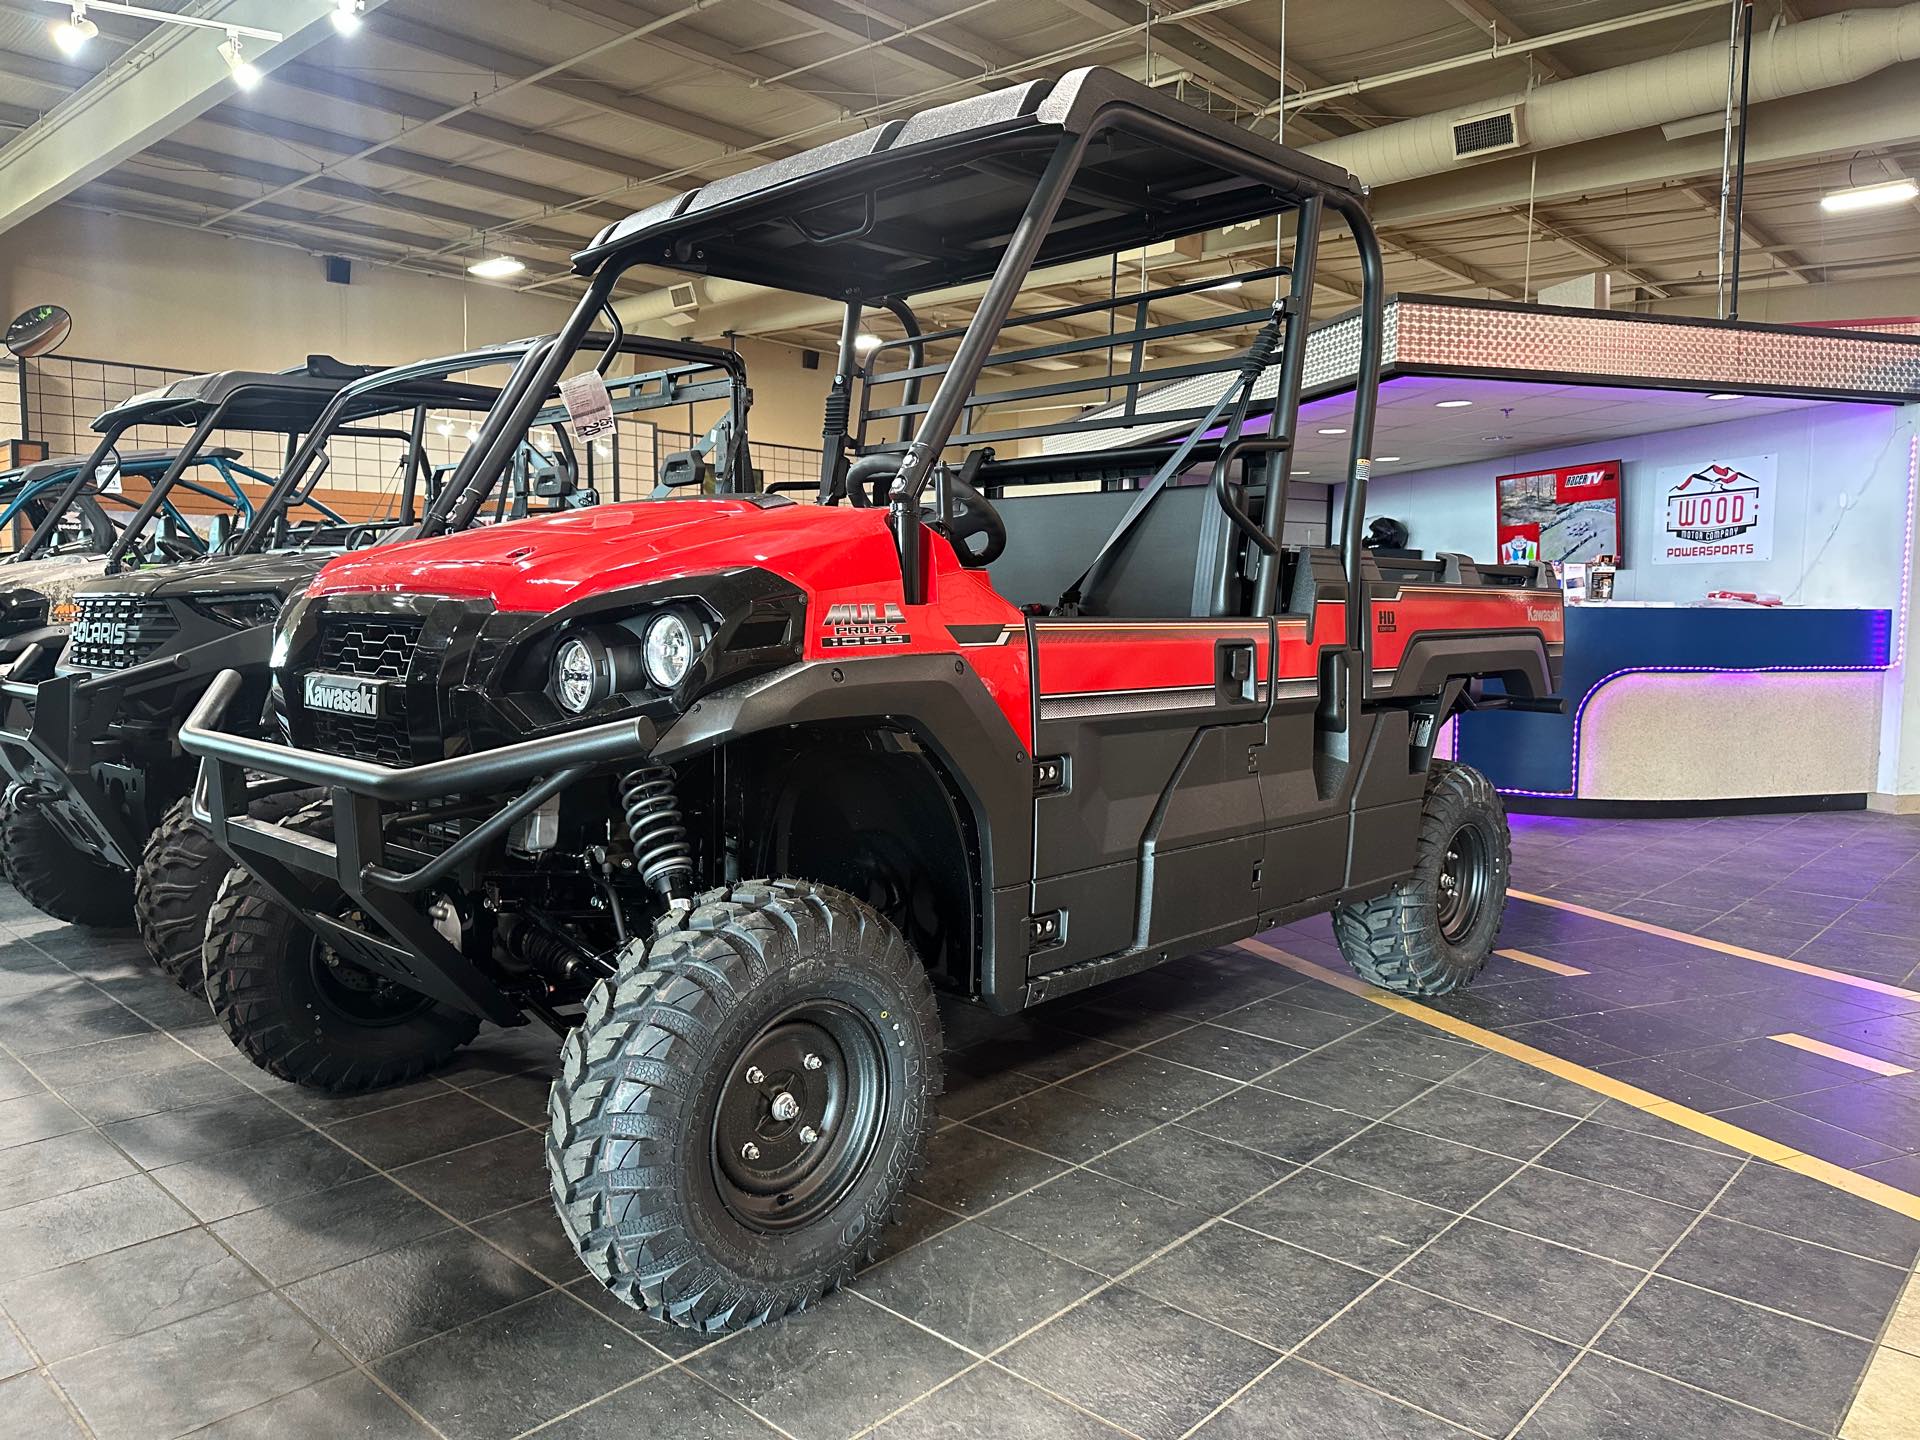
column 722, row 789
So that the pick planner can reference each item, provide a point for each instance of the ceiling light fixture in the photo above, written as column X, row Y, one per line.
column 1333, row 430
column 1724, row 395
column 497, row 267
column 71, row 36
column 346, row 16
column 1870, row 197
column 1451, row 404
column 866, row 344
column 246, row 74
column 1386, row 459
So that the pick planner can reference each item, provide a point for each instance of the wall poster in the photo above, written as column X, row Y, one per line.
column 1718, row 512
column 1558, row 515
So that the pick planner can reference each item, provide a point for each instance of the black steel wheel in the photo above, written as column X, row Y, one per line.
column 1432, row 933
column 738, row 1116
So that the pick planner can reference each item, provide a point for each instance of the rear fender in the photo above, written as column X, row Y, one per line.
column 1517, row 658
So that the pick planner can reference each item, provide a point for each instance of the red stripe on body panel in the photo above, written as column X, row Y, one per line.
column 1097, row 657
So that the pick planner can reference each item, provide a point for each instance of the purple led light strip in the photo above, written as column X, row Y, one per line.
column 1906, row 562
column 1580, row 715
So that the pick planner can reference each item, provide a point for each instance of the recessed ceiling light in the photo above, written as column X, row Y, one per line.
column 1496, row 439
column 1724, row 395
column 1333, row 430
column 1386, row 459
column 1870, row 197
column 1451, row 404
column 496, row 267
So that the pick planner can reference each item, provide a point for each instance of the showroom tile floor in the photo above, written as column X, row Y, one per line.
column 1227, row 1199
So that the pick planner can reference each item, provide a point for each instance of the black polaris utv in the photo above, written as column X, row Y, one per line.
column 722, row 789
column 97, row 826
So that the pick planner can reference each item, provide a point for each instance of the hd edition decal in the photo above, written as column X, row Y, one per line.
column 1719, row 511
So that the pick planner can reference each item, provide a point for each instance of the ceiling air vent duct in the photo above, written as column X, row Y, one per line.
column 1488, row 134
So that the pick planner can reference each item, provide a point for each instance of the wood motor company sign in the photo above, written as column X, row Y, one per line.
column 1718, row 512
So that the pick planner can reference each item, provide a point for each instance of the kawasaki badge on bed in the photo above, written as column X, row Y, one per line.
column 97, row 827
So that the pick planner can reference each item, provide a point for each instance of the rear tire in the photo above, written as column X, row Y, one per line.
column 300, row 1012
column 174, row 888
column 1432, row 933
column 57, row 879
column 678, row 1151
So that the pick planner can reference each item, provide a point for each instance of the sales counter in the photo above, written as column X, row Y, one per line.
column 1672, row 708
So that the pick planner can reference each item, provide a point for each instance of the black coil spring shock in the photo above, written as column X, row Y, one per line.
column 661, row 851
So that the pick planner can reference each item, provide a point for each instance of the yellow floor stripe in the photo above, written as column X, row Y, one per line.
column 1540, row 962
column 1839, row 977
column 1844, row 1056
column 1877, row 1192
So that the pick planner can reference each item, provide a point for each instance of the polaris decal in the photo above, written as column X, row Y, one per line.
column 864, row 623
column 106, row 634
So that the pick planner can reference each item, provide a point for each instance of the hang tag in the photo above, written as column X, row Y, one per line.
column 589, row 406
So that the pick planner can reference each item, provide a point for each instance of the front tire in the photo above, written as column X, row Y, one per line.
column 679, row 1150
column 1432, row 933
column 305, row 1014
column 58, row 879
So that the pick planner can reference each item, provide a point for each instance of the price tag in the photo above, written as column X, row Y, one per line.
column 589, row 406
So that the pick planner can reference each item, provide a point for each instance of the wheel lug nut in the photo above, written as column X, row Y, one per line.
column 812, row 1062
column 808, row 1135
column 755, row 1074
column 749, row 1151
column 785, row 1107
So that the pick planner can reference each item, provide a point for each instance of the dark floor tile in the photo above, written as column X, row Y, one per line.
column 1618, row 1115
column 1561, row 1292
column 347, row 1407
column 1667, row 1077
column 1886, row 1111
column 533, row 1235
column 1859, row 951
column 16, row 1080
column 1638, row 1032
column 1423, row 1167
column 1414, row 1048
column 54, row 1166
column 1472, row 1369
column 969, row 1170
column 1221, row 1051
column 516, row 1368
column 1758, row 1357
column 1894, row 1035
column 449, row 1121
column 1359, row 1224
column 1143, row 1084
column 1277, row 1125
column 1181, row 1164
column 61, row 1229
column 1299, row 1401
column 977, row 1286
column 1345, row 1076
column 1066, row 1123
column 401, row 1296
column 831, row 1372
column 916, row 1220
column 215, row 1187
column 1139, row 1363
column 127, row 1292
column 498, row 1053
column 1902, row 1174
column 1485, row 1122
column 168, row 1381
column 1556, row 1039
column 179, row 1087
column 1767, row 1069
column 482, row 1179
column 1605, row 1400
column 36, row 1025
column 675, row 1342
column 14, row 1356
column 1045, row 1051
column 1095, row 1222
column 1828, row 1287
column 1509, row 1079
column 672, row 1403
column 1286, row 1019
column 1660, row 1168
column 522, row 1096
column 170, row 1136
column 32, row 1407
column 1808, row 1135
column 1618, row 1224
column 978, row 1082
column 36, row 1116
column 1264, row 1289
column 987, row 1403
column 310, row 1233
column 318, row 1107
column 1119, row 1020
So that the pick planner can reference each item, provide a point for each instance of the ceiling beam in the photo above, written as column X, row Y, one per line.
column 850, row 27
column 1493, row 20
column 1236, row 78
column 687, row 41
column 1558, row 228
column 1758, row 237
column 170, row 75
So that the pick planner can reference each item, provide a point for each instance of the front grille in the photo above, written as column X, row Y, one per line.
column 373, row 647
column 114, row 632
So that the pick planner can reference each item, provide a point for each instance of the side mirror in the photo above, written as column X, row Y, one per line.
column 219, row 532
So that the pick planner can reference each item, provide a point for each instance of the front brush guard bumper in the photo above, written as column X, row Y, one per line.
column 309, row 873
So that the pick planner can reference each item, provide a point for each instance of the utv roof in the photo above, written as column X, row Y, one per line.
column 929, row 201
column 64, row 466
column 288, row 400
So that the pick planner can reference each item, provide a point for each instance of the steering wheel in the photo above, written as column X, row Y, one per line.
column 359, row 537
column 880, row 469
column 172, row 548
column 966, row 513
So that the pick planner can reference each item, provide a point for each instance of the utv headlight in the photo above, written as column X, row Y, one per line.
column 589, row 666
column 669, row 650
column 240, row 611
